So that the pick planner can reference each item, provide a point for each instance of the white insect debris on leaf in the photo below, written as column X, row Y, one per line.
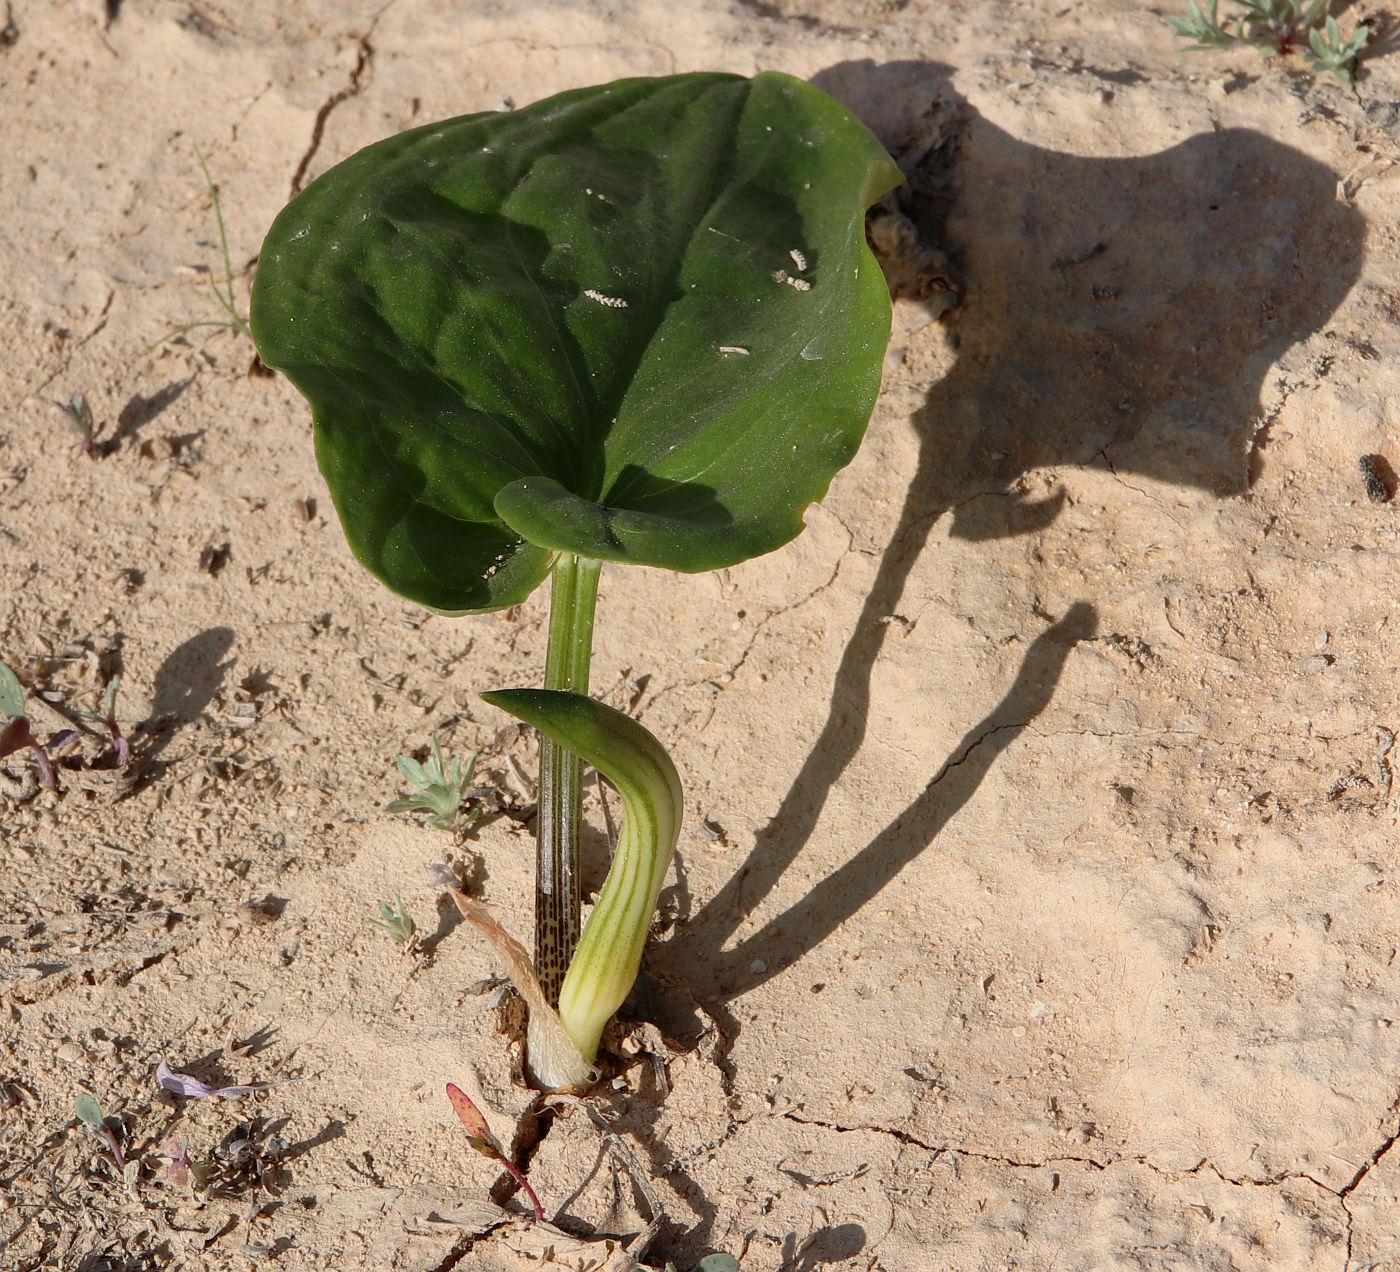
column 612, row 302
column 797, row 284
column 798, row 259
column 732, row 349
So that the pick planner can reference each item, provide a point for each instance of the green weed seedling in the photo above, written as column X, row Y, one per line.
column 397, row 922
column 1280, row 26
column 78, row 416
column 235, row 321
column 89, row 1112
column 637, row 323
column 439, row 787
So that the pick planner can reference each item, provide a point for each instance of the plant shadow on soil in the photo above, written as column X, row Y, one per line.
column 1122, row 313
column 185, row 684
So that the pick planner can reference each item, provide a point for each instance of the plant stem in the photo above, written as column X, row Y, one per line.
column 573, row 596
column 519, row 1177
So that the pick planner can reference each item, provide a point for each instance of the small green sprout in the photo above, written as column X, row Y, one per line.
column 1329, row 52
column 77, row 414
column 1285, row 26
column 396, row 921
column 439, row 788
column 235, row 321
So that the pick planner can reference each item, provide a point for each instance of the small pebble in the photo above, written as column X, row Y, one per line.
column 70, row 1053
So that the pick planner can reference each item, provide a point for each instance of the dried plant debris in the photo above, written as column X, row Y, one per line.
column 1379, row 478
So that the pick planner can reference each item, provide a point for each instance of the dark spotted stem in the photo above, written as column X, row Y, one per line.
column 573, row 597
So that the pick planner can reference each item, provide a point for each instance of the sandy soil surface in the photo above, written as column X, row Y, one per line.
column 1037, row 905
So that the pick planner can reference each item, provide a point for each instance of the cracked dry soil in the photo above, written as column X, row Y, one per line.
column 1037, row 906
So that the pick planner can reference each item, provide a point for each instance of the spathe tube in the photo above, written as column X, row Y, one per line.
column 609, row 953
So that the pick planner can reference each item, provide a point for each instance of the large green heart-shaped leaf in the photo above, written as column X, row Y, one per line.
column 636, row 322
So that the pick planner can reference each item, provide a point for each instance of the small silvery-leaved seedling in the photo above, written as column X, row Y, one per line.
column 439, row 788
column 78, row 416
column 89, row 1112
column 397, row 922
column 1327, row 51
column 1282, row 26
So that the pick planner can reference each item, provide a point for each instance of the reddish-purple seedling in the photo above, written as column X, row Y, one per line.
column 480, row 1137
column 179, row 1162
column 122, row 746
column 194, row 1089
column 15, row 736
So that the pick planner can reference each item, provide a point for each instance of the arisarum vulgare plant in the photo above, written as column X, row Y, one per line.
column 635, row 323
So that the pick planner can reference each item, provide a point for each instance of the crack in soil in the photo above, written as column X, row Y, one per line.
column 940, row 1150
column 1347, row 1189
column 363, row 61
column 958, row 760
column 459, row 1250
column 797, row 604
column 1049, row 1163
column 1098, row 1164
column 734, row 668
column 75, row 975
